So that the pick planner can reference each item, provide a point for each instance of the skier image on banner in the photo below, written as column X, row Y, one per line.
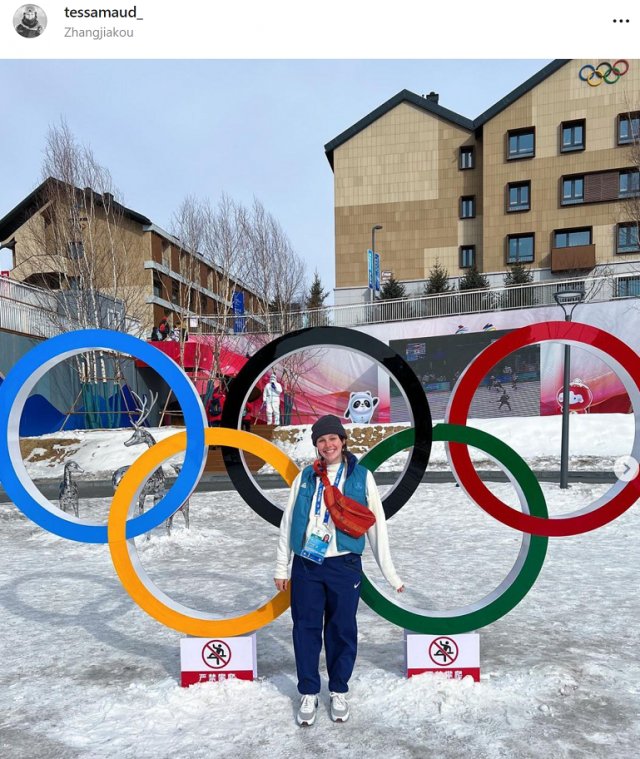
column 271, row 398
column 361, row 407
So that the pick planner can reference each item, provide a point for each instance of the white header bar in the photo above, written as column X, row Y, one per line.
column 332, row 29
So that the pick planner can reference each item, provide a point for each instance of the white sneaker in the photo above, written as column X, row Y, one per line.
column 307, row 710
column 339, row 707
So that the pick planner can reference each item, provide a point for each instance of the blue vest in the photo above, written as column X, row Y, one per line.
column 355, row 487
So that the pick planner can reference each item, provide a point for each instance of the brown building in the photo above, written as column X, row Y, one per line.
column 545, row 177
column 64, row 238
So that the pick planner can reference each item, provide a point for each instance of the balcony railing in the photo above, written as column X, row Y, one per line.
column 31, row 311
column 444, row 304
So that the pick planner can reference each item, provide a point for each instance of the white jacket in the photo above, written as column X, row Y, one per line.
column 376, row 534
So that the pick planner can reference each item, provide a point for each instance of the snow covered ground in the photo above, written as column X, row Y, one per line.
column 86, row 673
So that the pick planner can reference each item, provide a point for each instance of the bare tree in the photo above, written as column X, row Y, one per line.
column 81, row 251
column 275, row 272
column 213, row 234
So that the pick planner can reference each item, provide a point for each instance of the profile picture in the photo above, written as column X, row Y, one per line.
column 29, row 21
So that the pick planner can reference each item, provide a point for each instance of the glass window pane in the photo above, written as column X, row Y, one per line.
column 582, row 237
column 526, row 143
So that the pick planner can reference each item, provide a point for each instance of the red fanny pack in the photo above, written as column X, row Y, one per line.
column 348, row 515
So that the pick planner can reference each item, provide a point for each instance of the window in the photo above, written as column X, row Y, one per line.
column 571, row 238
column 157, row 285
column 628, row 287
column 166, row 254
column 518, row 194
column 468, row 207
column 175, row 292
column 113, row 319
column 628, row 240
column 520, row 248
column 629, row 183
column 467, row 256
column 572, row 136
column 572, row 190
column 203, row 303
column 466, row 158
column 76, row 249
column 521, row 143
column 628, row 127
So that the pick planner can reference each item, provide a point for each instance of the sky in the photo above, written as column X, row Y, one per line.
column 249, row 128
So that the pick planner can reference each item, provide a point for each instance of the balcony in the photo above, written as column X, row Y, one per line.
column 575, row 257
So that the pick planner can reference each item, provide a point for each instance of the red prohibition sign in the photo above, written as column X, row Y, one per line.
column 443, row 651
column 216, row 654
column 623, row 357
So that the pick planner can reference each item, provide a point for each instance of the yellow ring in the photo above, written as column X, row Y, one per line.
column 597, row 74
column 125, row 557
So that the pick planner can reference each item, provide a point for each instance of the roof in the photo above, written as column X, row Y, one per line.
column 406, row 96
column 36, row 199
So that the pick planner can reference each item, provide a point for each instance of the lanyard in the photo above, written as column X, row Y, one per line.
column 320, row 491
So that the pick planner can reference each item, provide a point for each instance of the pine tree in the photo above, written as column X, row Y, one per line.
column 317, row 295
column 438, row 280
column 392, row 289
column 473, row 280
column 518, row 274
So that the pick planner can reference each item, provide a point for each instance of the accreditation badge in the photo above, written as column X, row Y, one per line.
column 316, row 546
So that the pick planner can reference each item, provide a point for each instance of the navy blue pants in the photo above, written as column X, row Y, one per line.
column 324, row 598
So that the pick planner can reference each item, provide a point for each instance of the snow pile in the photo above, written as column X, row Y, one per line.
column 536, row 439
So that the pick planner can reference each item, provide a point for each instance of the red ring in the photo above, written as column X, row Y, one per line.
column 615, row 66
column 458, row 413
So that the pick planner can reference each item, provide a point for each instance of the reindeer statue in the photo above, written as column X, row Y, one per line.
column 68, row 493
column 155, row 485
column 184, row 508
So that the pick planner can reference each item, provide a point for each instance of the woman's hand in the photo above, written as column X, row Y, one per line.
column 281, row 584
column 400, row 589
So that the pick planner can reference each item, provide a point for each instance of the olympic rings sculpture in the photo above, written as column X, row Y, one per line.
column 596, row 75
column 533, row 521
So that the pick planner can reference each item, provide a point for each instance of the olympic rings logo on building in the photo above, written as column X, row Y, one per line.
column 533, row 521
column 603, row 72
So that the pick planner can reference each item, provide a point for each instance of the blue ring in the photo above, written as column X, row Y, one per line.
column 18, row 384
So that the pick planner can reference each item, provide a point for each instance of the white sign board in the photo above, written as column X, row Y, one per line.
column 455, row 655
column 212, row 659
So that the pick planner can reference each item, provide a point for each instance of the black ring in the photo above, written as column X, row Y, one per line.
column 338, row 337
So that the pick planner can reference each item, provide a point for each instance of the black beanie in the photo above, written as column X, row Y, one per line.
column 327, row 425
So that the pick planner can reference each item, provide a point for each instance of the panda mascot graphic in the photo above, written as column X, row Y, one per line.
column 361, row 407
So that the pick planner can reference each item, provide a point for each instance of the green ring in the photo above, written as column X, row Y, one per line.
column 522, row 575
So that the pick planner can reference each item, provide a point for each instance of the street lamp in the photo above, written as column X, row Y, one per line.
column 567, row 300
column 373, row 256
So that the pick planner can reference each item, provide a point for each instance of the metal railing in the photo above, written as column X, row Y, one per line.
column 37, row 312
column 531, row 295
column 32, row 311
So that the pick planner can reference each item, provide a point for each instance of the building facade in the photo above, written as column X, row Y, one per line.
column 547, row 177
column 62, row 238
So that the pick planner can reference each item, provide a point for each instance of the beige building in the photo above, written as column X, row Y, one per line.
column 546, row 177
column 63, row 238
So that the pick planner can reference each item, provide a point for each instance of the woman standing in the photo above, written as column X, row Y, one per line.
column 326, row 570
